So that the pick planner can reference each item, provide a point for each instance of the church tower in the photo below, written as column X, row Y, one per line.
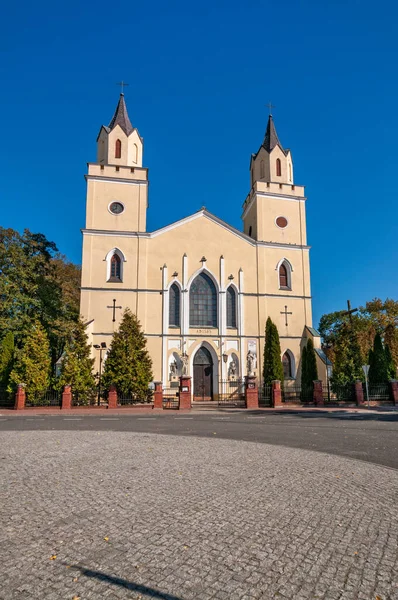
column 269, row 211
column 117, row 184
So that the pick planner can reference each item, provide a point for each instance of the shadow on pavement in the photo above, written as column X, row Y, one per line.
column 128, row 585
column 382, row 415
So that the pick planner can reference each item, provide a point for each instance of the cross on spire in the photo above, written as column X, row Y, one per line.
column 284, row 312
column 122, row 86
column 270, row 106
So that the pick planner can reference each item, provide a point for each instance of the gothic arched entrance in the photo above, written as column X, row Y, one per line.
column 202, row 376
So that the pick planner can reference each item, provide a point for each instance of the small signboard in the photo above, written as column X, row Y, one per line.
column 185, row 388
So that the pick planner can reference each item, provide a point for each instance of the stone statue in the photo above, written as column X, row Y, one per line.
column 250, row 360
column 232, row 368
column 184, row 360
column 173, row 369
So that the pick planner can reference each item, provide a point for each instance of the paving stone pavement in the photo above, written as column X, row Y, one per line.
column 127, row 515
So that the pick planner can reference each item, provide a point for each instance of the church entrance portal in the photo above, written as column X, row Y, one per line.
column 202, row 376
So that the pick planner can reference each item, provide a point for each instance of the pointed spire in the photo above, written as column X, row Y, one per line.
column 271, row 139
column 121, row 117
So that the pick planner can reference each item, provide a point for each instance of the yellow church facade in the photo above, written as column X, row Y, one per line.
column 201, row 289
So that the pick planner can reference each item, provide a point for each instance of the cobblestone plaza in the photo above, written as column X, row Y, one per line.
column 92, row 515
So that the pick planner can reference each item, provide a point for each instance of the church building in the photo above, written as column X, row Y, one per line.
column 201, row 289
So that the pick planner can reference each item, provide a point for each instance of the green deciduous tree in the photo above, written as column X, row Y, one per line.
column 272, row 369
column 32, row 364
column 77, row 365
column 378, row 372
column 128, row 364
column 347, row 357
column 7, row 351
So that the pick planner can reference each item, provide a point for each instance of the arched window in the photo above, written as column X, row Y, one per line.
column 287, row 366
column 250, row 230
column 174, row 306
column 118, row 149
column 278, row 167
column 203, row 302
column 231, row 307
column 115, row 274
column 135, row 153
column 262, row 170
column 283, row 277
column 290, row 171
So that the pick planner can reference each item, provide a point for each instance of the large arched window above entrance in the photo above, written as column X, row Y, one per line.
column 287, row 364
column 203, row 302
column 174, row 306
column 285, row 275
column 231, row 307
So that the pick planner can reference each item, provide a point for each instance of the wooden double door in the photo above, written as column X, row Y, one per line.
column 202, row 376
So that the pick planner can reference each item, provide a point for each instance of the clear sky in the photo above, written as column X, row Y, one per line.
column 200, row 75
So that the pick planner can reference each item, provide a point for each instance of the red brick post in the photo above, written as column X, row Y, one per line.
column 251, row 391
column 318, row 393
column 394, row 391
column 112, row 397
column 185, row 392
column 276, row 393
column 158, row 395
column 67, row 397
column 359, row 392
column 20, row 397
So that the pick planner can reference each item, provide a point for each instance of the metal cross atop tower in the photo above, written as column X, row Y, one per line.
column 270, row 107
column 122, row 86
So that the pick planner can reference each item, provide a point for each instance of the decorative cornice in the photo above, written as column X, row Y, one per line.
column 116, row 179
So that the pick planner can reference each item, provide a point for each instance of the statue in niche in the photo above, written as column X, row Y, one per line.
column 232, row 369
column 250, row 361
column 173, row 369
column 184, row 360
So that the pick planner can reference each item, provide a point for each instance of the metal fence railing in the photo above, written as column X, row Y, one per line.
column 231, row 393
column 7, row 399
column 50, row 397
column 295, row 394
column 130, row 399
column 265, row 395
column 171, row 398
column 378, row 391
column 86, row 398
column 339, row 393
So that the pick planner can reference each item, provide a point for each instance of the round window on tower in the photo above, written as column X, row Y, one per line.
column 281, row 222
column 116, row 208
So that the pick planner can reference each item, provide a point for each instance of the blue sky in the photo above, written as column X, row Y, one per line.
column 200, row 75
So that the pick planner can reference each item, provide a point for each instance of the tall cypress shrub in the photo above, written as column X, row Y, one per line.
column 272, row 368
column 391, row 366
column 77, row 365
column 378, row 371
column 7, row 350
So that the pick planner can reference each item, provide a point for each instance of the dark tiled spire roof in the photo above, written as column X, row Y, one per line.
column 121, row 117
column 271, row 139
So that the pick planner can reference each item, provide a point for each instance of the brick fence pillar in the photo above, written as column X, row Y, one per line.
column 66, row 397
column 359, row 392
column 394, row 391
column 20, row 397
column 318, row 393
column 251, row 391
column 185, row 392
column 158, row 395
column 112, row 397
column 276, row 393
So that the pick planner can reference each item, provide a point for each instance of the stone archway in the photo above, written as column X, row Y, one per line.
column 202, row 376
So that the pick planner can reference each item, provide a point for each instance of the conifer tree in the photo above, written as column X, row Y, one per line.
column 7, row 351
column 391, row 366
column 348, row 358
column 128, row 365
column 309, row 369
column 272, row 368
column 378, row 365
column 32, row 364
column 77, row 365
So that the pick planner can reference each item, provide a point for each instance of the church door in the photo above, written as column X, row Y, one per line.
column 202, row 376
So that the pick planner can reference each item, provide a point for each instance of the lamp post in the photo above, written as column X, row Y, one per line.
column 101, row 348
